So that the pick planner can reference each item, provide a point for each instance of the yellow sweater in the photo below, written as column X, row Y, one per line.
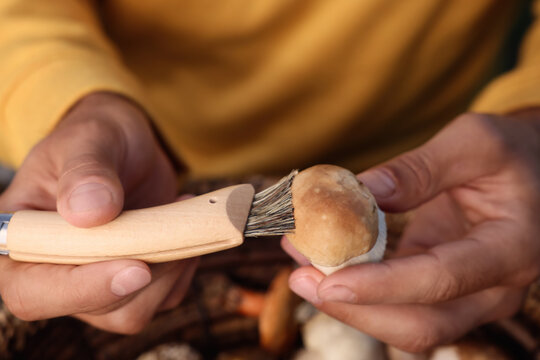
column 237, row 86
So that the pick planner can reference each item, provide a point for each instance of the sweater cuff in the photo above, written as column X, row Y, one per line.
column 40, row 100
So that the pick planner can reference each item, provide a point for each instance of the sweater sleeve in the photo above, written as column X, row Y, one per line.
column 53, row 53
column 520, row 87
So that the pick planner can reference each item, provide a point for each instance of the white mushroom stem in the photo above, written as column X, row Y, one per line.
column 373, row 255
column 326, row 338
column 446, row 353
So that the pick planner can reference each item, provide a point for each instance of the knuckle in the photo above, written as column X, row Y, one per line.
column 128, row 322
column 479, row 121
column 90, row 127
column 443, row 286
column 16, row 303
column 84, row 164
column 503, row 302
column 172, row 303
column 491, row 128
column 524, row 276
column 511, row 306
column 446, row 289
column 37, row 150
column 347, row 316
column 508, row 309
column 420, row 167
column 424, row 336
column 39, row 157
column 80, row 299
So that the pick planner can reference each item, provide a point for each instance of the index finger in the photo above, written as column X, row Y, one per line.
column 483, row 259
column 39, row 291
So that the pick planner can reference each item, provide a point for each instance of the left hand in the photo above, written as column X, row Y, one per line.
column 471, row 249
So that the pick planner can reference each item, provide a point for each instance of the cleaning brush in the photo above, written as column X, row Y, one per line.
column 272, row 211
column 299, row 205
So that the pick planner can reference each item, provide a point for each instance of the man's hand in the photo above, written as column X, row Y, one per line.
column 102, row 158
column 471, row 249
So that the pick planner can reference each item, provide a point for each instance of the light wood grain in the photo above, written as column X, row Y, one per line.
column 201, row 225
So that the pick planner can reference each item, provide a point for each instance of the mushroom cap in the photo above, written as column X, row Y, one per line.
column 335, row 215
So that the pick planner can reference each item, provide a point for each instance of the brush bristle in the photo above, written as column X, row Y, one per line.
column 272, row 211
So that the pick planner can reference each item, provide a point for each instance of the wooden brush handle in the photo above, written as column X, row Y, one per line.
column 201, row 225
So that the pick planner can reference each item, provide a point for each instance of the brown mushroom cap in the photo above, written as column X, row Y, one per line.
column 335, row 215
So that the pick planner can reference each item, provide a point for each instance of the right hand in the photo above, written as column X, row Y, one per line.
column 101, row 158
column 471, row 249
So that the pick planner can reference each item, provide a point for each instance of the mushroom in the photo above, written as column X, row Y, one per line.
column 337, row 220
column 171, row 351
column 474, row 346
column 337, row 224
column 473, row 349
column 325, row 338
column 394, row 353
column 275, row 309
column 277, row 326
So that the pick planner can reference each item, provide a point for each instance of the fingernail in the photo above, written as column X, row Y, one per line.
column 338, row 293
column 88, row 197
column 306, row 287
column 379, row 182
column 129, row 280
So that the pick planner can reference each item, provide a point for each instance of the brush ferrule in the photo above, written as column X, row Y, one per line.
column 4, row 222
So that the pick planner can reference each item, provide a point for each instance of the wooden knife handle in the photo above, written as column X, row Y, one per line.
column 200, row 225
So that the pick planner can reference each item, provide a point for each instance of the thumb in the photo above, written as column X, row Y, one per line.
column 466, row 149
column 90, row 192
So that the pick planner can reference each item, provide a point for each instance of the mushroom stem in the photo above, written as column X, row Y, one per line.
column 275, row 310
column 277, row 325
